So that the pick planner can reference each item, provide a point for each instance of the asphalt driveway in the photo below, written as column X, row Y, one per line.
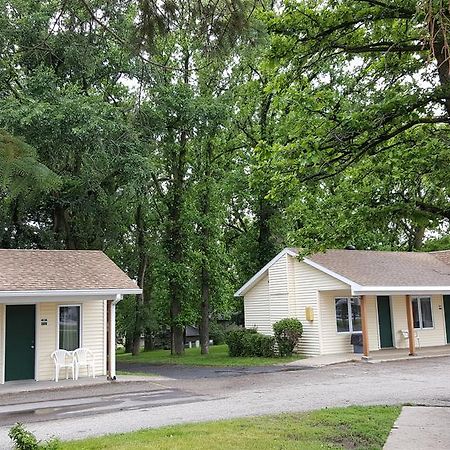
column 201, row 396
column 194, row 372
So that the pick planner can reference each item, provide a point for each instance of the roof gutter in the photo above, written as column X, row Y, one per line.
column 400, row 290
column 70, row 293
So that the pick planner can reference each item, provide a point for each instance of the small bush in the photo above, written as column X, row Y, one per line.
column 217, row 333
column 235, row 340
column 26, row 440
column 287, row 333
column 257, row 344
column 247, row 342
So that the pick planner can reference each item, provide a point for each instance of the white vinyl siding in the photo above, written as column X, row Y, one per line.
column 428, row 337
column 2, row 344
column 308, row 282
column 334, row 342
column 92, row 333
column 257, row 307
column 278, row 291
column 267, row 301
column 46, row 340
column 92, row 336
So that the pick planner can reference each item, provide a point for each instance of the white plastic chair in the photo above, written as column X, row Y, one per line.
column 63, row 359
column 83, row 357
column 405, row 335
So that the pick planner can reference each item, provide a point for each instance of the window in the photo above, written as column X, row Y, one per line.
column 422, row 315
column 348, row 314
column 69, row 327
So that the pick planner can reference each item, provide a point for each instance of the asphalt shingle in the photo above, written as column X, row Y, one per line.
column 33, row 270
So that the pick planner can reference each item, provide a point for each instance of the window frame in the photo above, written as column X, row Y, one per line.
column 349, row 312
column 419, row 299
column 80, row 327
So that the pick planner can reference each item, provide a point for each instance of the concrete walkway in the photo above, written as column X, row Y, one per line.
column 420, row 428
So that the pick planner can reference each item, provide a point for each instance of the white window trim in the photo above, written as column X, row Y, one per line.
column 80, row 327
column 419, row 309
column 350, row 315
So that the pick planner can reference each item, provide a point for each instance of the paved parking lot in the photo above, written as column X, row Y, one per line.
column 199, row 395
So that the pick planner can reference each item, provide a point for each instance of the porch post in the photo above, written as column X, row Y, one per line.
column 411, row 335
column 108, row 338
column 111, row 339
column 364, row 326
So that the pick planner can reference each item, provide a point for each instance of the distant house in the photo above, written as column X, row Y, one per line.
column 57, row 299
column 191, row 335
column 394, row 299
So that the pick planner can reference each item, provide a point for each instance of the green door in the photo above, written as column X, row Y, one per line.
column 447, row 316
column 19, row 348
column 384, row 321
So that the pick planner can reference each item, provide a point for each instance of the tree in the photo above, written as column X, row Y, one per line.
column 362, row 76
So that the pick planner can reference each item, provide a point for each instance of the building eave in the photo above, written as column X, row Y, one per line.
column 42, row 293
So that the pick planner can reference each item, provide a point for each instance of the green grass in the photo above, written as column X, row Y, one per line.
column 354, row 427
column 218, row 356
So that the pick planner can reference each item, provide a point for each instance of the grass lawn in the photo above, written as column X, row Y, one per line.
column 218, row 356
column 351, row 428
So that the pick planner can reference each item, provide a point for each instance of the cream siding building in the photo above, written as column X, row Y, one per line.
column 53, row 300
column 379, row 289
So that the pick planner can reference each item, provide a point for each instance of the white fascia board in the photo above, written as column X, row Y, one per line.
column 70, row 293
column 323, row 269
column 400, row 290
column 253, row 280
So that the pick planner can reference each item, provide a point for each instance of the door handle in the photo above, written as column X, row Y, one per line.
column 32, row 346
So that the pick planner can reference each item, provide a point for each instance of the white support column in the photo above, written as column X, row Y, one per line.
column 112, row 341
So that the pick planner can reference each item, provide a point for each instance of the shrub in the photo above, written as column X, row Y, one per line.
column 26, row 440
column 247, row 342
column 217, row 333
column 257, row 344
column 235, row 340
column 287, row 333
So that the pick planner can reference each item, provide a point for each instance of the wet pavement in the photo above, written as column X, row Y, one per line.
column 65, row 408
column 195, row 372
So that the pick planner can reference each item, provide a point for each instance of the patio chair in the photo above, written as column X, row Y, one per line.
column 83, row 357
column 63, row 359
column 405, row 335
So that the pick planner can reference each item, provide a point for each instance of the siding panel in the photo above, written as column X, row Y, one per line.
column 428, row 337
column 257, row 307
column 2, row 331
column 92, row 336
column 308, row 281
column 334, row 342
column 46, row 340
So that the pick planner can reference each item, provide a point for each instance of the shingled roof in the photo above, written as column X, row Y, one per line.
column 61, row 270
column 380, row 268
column 368, row 271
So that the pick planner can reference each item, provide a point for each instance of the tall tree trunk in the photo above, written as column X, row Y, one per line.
column 266, row 247
column 174, row 238
column 204, row 310
column 175, row 235
column 61, row 227
column 419, row 234
column 142, row 255
column 266, row 210
column 441, row 51
column 205, row 231
column 149, row 341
